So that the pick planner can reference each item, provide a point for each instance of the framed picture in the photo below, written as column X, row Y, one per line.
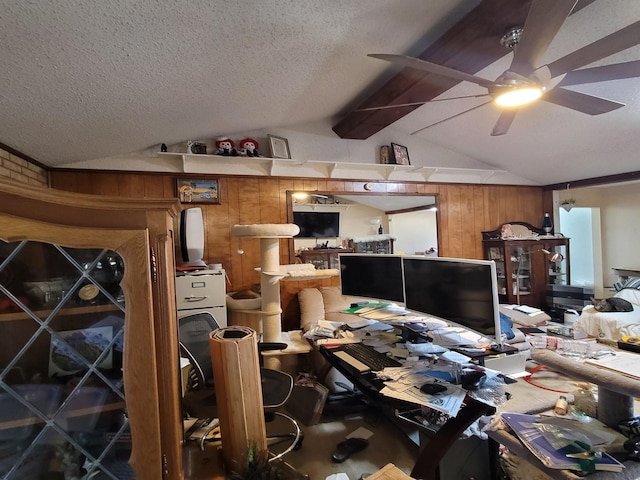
column 400, row 154
column 198, row 191
column 279, row 147
column 385, row 154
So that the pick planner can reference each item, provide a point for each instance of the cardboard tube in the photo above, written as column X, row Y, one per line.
column 236, row 371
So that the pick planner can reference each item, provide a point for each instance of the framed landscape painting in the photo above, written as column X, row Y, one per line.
column 198, row 191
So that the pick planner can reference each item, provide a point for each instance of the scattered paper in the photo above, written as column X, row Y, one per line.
column 360, row 432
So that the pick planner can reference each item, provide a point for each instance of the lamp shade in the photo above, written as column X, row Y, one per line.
column 547, row 224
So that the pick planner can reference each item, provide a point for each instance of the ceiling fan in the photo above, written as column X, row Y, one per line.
column 525, row 81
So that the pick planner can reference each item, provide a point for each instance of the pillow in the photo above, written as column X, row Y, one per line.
column 311, row 307
column 632, row 282
column 631, row 295
column 333, row 299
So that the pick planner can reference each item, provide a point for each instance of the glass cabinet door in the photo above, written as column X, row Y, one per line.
column 497, row 255
column 521, row 266
column 558, row 265
column 62, row 397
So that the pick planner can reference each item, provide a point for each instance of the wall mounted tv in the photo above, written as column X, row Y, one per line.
column 461, row 291
column 372, row 275
column 317, row 224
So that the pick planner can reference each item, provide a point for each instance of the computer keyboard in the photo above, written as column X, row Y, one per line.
column 371, row 358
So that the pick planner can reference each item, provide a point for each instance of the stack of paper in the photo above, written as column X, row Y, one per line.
column 524, row 428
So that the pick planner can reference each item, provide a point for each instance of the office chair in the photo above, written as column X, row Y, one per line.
column 194, row 330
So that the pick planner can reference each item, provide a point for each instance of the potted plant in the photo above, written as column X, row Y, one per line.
column 568, row 203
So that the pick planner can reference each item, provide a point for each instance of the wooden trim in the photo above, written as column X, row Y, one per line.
column 590, row 182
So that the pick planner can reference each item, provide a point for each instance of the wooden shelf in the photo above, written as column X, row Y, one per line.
column 8, row 317
column 71, row 414
column 279, row 167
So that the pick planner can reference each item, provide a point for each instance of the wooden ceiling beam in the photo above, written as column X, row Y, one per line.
column 469, row 46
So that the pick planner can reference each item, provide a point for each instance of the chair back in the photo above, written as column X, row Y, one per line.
column 194, row 330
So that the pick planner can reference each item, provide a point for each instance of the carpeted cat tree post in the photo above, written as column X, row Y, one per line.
column 270, row 275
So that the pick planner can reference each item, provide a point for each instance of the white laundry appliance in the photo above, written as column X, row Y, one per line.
column 202, row 290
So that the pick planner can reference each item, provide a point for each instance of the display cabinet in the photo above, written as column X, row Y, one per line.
column 374, row 244
column 527, row 260
column 89, row 376
column 323, row 258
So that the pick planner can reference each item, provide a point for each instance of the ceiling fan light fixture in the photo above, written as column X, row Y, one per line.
column 516, row 97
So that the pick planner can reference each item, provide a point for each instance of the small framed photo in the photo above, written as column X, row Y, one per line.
column 198, row 191
column 279, row 147
column 385, row 154
column 400, row 154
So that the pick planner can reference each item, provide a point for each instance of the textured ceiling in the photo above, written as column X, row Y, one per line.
column 93, row 79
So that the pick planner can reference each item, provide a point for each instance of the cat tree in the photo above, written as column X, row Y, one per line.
column 271, row 273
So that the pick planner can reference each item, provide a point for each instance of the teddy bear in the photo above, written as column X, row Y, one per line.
column 249, row 147
column 226, row 147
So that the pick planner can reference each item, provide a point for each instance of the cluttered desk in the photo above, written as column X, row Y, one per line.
column 394, row 360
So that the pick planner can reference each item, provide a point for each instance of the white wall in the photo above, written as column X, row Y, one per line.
column 416, row 231
column 620, row 228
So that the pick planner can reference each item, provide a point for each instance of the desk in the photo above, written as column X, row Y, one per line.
column 615, row 403
column 441, row 440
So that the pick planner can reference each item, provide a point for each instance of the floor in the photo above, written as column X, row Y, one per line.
column 387, row 444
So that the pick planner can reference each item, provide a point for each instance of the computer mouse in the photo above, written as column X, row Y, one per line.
column 473, row 380
column 432, row 388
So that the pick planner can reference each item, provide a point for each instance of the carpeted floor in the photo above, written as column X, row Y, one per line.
column 389, row 444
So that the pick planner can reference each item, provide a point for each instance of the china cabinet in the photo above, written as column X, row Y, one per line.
column 89, row 376
column 323, row 258
column 374, row 244
column 526, row 262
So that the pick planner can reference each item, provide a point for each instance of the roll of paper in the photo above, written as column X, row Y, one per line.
column 236, row 370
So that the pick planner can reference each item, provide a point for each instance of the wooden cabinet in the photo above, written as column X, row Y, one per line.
column 89, row 379
column 526, row 263
column 381, row 244
column 323, row 258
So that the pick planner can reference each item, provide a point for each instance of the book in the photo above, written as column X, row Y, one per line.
column 528, row 310
column 523, row 426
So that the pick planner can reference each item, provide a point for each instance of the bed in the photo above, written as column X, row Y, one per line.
column 612, row 325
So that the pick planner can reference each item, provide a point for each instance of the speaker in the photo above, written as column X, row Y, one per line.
column 192, row 237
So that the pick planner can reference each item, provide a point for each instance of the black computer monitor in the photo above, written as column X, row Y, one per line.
column 461, row 291
column 377, row 276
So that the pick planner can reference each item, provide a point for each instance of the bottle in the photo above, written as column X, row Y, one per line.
column 563, row 345
column 380, row 230
column 561, row 406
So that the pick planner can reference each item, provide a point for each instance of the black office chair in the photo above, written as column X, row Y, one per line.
column 194, row 330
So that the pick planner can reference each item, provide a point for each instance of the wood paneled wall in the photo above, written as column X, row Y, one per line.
column 464, row 211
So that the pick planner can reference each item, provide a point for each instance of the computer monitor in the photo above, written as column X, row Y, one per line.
column 377, row 276
column 460, row 291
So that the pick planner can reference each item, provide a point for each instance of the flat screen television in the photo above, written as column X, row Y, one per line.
column 460, row 291
column 317, row 224
column 377, row 276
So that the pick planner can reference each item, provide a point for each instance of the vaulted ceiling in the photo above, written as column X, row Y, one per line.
column 91, row 80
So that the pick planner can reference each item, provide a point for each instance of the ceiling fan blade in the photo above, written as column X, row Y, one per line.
column 541, row 26
column 413, row 104
column 589, row 104
column 625, row 38
column 452, row 117
column 432, row 68
column 616, row 71
column 504, row 122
